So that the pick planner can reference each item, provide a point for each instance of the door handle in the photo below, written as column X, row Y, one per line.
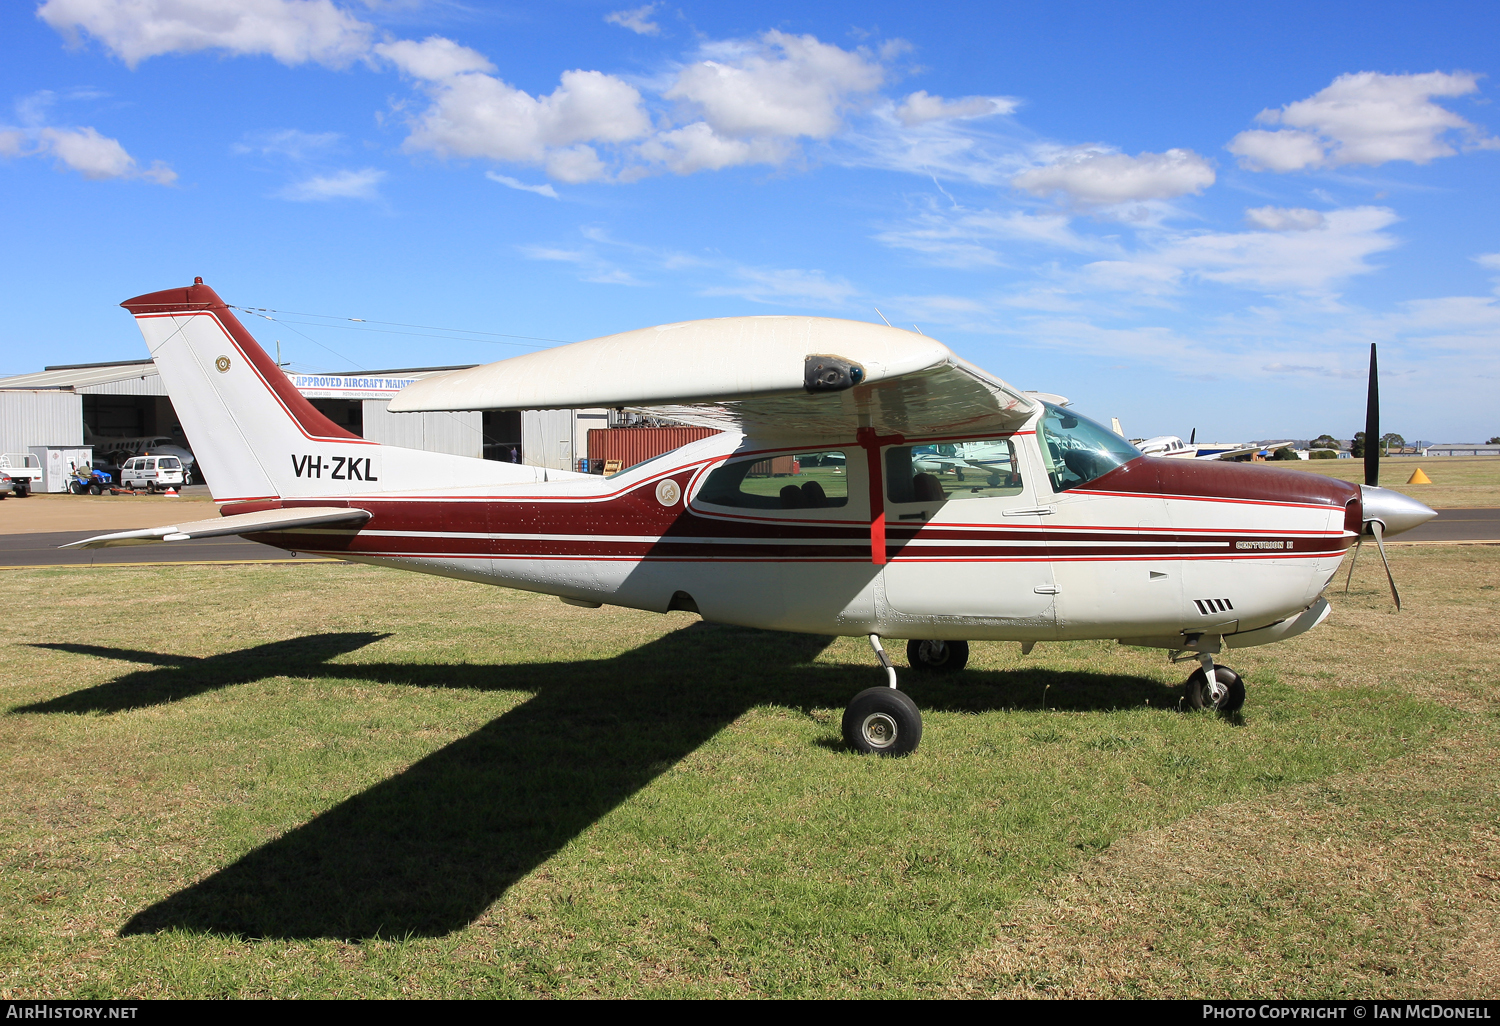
column 1046, row 589
column 1033, row 511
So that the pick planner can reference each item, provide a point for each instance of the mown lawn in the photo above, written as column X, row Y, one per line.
column 336, row 780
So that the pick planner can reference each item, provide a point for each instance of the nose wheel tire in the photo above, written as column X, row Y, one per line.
column 882, row 721
column 937, row 656
column 1225, row 695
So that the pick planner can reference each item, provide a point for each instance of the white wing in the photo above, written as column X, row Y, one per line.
column 752, row 374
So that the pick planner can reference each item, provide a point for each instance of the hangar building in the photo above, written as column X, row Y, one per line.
column 76, row 406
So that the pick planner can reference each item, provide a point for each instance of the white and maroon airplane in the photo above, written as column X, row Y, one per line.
column 810, row 512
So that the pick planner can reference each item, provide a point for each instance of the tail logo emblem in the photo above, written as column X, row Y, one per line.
column 667, row 493
column 223, row 364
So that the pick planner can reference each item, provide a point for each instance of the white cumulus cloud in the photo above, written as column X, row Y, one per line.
column 361, row 185
column 97, row 156
column 637, row 20
column 475, row 114
column 291, row 31
column 1284, row 219
column 919, row 108
column 780, row 85
column 1363, row 118
column 1095, row 178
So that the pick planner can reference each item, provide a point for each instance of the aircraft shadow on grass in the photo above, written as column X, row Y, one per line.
column 425, row 852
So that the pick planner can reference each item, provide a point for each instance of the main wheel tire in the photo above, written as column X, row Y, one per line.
column 937, row 656
column 1231, row 698
column 882, row 721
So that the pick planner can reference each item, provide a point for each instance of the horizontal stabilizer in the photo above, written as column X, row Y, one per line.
column 240, row 523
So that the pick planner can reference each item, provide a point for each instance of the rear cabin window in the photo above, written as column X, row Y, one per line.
column 945, row 471
column 168, row 463
column 807, row 480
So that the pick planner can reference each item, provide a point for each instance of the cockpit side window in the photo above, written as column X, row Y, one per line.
column 945, row 471
column 808, row 480
column 1075, row 450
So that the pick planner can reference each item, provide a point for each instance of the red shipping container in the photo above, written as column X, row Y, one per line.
column 632, row 445
column 776, row 466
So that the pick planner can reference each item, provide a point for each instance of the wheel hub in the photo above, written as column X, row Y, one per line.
column 879, row 730
column 1216, row 691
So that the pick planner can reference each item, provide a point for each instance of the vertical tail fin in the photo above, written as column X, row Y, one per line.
column 255, row 434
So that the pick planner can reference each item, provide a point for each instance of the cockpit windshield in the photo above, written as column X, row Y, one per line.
column 1076, row 450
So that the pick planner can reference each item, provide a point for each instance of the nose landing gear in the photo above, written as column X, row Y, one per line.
column 1215, row 687
column 882, row 721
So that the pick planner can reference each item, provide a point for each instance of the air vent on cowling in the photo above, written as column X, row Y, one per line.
column 1210, row 606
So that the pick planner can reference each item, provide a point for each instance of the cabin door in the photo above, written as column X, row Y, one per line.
column 965, row 535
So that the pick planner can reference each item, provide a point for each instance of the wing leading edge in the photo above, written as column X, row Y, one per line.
column 752, row 374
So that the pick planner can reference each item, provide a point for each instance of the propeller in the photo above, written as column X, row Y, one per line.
column 1193, row 438
column 1385, row 512
column 1372, row 425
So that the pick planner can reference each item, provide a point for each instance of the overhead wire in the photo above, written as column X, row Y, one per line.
column 455, row 335
column 451, row 332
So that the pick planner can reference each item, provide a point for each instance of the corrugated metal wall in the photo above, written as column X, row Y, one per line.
column 547, row 439
column 145, row 384
column 632, row 445
column 40, row 418
column 461, row 434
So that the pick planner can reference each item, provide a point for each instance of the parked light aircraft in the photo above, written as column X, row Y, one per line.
column 1082, row 537
column 1173, row 447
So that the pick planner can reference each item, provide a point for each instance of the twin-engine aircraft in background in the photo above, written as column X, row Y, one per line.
column 1172, row 447
column 934, row 504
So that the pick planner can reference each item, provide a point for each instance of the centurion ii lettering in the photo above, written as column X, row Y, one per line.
column 339, row 468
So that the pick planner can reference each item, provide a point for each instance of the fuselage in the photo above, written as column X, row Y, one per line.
column 858, row 536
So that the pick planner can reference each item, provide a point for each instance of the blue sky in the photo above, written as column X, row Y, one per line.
column 1184, row 215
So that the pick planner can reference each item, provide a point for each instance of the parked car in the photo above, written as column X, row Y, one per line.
column 152, row 473
column 6, row 485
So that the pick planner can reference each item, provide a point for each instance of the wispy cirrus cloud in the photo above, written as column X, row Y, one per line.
column 363, row 184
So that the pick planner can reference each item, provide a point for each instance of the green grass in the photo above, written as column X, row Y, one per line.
column 337, row 780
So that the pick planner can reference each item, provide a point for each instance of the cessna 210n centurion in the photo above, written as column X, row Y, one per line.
column 1069, row 532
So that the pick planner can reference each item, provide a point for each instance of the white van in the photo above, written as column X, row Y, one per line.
column 151, row 473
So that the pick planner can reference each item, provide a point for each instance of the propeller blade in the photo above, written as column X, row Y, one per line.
column 1377, row 530
column 1372, row 426
column 1193, row 438
column 1353, row 558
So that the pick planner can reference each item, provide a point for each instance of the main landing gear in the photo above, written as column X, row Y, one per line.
column 884, row 721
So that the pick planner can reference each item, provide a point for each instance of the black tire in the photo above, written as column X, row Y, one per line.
column 882, row 721
column 1234, row 690
column 22, row 490
column 76, row 487
column 95, row 490
column 950, row 658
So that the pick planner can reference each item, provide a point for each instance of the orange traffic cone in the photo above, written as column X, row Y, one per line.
column 171, row 493
column 1417, row 477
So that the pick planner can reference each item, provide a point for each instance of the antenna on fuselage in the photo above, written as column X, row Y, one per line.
column 888, row 324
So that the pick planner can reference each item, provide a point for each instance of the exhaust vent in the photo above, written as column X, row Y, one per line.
column 1210, row 606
